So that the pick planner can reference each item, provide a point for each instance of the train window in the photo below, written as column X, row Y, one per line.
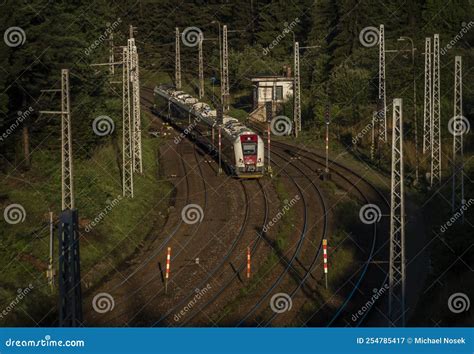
column 249, row 148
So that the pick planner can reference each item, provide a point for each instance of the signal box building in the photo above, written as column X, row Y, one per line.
column 270, row 88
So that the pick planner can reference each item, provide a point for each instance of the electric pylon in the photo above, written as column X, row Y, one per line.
column 457, row 199
column 69, row 278
column 397, row 222
column 137, row 132
column 436, row 117
column 297, row 91
column 127, row 152
column 427, row 107
column 67, row 179
column 66, row 142
column 382, row 95
column 201, row 68
column 225, row 69
column 177, row 78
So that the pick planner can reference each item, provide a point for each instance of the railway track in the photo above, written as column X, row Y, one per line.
column 230, row 280
column 166, row 241
column 289, row 265
column 260, row 304
column 245, row 186
column 313, row 265
column 341, row 171
column 223, row 261
column 335, row 168
column 377, row 244
column 158, row 249
column 314, row 261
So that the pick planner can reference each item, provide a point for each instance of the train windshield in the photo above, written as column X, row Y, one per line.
column 249, row 148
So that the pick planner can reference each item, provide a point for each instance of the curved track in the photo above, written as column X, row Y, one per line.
column 240, row 268
column 160, row 248
column 336, row 168
column 290, row 264
column 245, row 186
column 313, row 264
column 377, row 244
column 155, row 250
column 225, row 259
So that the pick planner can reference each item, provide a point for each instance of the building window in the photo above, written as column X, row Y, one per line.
column 265, row 93
column 279, row 93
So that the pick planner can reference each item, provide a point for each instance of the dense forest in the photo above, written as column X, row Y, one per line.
column 336, row 69
column 59, row 34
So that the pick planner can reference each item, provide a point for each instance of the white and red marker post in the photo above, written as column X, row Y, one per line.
column 248, row 262
column 325, row 257
column 167, row 274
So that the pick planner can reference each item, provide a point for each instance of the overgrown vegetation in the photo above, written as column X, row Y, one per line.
column 112, row 227
column 60, row 36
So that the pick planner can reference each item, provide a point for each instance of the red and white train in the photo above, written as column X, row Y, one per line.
column 242, row 149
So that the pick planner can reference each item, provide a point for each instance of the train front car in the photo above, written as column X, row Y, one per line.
column 249, row 155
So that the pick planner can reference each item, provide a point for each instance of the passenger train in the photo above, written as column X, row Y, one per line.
column 242, row 149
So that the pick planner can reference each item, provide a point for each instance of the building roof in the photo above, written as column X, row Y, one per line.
column 271, row 78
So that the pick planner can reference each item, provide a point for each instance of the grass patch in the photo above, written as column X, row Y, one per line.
column 285, row 228
column 342, row 257
column 24, row 247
